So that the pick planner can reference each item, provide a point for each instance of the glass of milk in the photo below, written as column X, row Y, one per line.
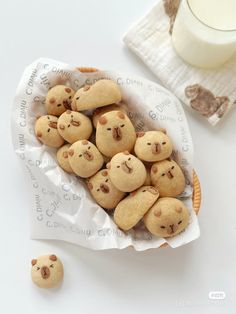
column 204, row 32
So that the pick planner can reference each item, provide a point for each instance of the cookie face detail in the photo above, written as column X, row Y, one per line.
column 103, row 191
column 168, row 177
column 74, row 126
column 84, row 158
column 115, row 133
column 59, row 99
column 167, row 217
column 153, row 146
column 102, row 110
column 102, row 93
column 46, row 271
column 126, row 172
column 132, row 209
column 46, row 131
column 63, row 158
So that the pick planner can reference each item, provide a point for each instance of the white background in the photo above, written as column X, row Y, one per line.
column 89, row 33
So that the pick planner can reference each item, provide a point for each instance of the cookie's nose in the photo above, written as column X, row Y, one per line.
column 126, row 167
column 156, row 148
column 171, row 229
column 116, row 133
column 67, row 104
column 75, row 123
column 169, row 174
column 52, row 124
column 104, row 188
column 45, row 272
column 88, row 155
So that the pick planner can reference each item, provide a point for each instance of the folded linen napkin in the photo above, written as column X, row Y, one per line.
column 210, row 92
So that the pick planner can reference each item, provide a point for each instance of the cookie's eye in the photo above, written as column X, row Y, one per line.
column 38, row 268
column 129, row 158
column 172, row 167
column 58, row 105
column 80, row 155
column 48, row 117
column 149, row 144
column 118, row 167
column 106, row 180
column 52, row 266
column 89, row 147
column 68, row 125
column 163, row 143
column 72, row 116
column 108, row 129
column 77, row 98
column 163, row 227
column 163, row 174
column 98, row 190
column 180, row 222
column 70, row 97
column 49, row 130
column 143, row 190
column 122, row 125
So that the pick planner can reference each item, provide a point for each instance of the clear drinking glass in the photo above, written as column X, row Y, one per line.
column 204, row 32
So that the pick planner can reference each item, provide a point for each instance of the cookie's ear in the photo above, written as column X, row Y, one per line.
column 68, row 111
column 108, row 165
column 126, row 152
column 120, row 115
column 154, row 169
column 68, row 90
column 33, row 262
column 89, row 185
column 86, row 87
column 65, row 154
column 179, row 210
column 84, row 142
column 104, row 173
column 53, row 258
column 102, row 120
column 133, row 193
column 162, row 130
column 39, row 134
column 140, row 134
column 71, row 152
column 157, row 213
column 192, row 91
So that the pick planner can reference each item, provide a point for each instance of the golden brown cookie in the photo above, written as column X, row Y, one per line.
column 103, row 191
column 102, row 93
column 47, row 271
column 131, row 210
column 59, row 99
column 74, row 126
column 46, row 131
column 102, row 110
column 153, row 146
column 115, row 133
column 63, row 158
column 167, row 217
column 168, row 177
column 126, row 172
column 85, row 159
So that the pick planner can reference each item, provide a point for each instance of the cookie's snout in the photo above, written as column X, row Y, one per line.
column 45, row 272
column 171, row 229
column 116, row 133
column 153, row 190
column 156, row 148
column 126, row 167
column 52, row 124
column 104, row 188
column 75, row 123
column 67, row 104
column 169, row 174
column 88, row 155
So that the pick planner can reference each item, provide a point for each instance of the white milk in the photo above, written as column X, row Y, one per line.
column 204, row 32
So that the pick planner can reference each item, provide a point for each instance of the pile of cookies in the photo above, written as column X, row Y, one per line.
column 131, row 175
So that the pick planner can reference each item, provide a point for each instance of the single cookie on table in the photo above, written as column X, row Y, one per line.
column 63, row 158
column 167, row 217
column 126, row 172
column 153, row 146
column 131, row 210
column 102, row 110
column 102, row 93
column 59, row 99
column 115, row 133
column 85, row 159
column 74, row 126
column 46, row 131
column 103, row 191
column 168, row 177
column 47, row 271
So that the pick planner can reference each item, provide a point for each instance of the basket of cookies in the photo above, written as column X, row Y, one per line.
column 109, row 158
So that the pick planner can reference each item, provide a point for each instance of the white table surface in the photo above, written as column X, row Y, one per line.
column 159, row 281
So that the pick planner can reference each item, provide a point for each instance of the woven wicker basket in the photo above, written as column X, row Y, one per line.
column 196, row 184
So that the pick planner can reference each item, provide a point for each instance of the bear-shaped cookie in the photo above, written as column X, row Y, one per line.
column 153, row 146
column 126, row 172
column 102, row 110
column 131, row 210
column 103, row 191
column 167, row 217
column 59, row 99
column 102, row 93
column 63, row 158
column 74, row 126
column 168, row 177
column 46, row 131
column 115, row 133
column 85, row 159
column 47, row 271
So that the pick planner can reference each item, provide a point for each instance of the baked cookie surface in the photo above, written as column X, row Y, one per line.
column 47, row 271
column 59, row 99
column 168, row 177
column 74, row 126
column 103, row 191
column 46, row 131
column 153, row 146
column 115, row 133
column 131, row 210
column 167, row 217
column 126, row 172
column 84, row 158
column 63, row 158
